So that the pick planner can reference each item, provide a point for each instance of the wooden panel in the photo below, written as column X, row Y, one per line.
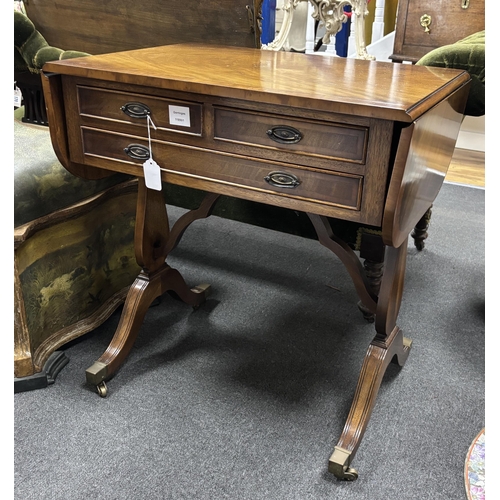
column 316, row 138
column 56, row 113
column 105, row 104
column 23, row 363
column 449, row 23
column 99, row 27
column 424, row 154
column 332, row 189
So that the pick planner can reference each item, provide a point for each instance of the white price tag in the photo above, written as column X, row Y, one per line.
column 152, row 174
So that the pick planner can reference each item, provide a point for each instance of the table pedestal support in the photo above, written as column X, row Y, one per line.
column 153, row 242
column 388, row 346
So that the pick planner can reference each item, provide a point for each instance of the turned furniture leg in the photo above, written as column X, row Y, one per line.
column 372, row 250
column 389, row 345
column 151, row 249
column 419, row 233
column 373, row 272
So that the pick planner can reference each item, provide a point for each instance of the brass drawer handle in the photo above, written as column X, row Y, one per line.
column 137, row 152
column 465, row 4
column 284, row 134
column 136, row 110
column 282, row 180
column 425, row 22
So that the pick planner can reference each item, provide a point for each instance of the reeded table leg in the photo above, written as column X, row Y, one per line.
column 152, row 245
column 143, row 291
column 377, row 359
column 389, row 345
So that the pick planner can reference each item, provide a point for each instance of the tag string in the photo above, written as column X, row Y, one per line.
column 150, row 120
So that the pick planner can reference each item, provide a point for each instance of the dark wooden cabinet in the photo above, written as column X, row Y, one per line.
column 424, row 25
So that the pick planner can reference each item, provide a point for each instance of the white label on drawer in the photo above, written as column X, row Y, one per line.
column 152, row 175
column 179, row 115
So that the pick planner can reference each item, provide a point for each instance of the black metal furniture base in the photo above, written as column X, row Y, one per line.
column 33, row 99
column 56, row 362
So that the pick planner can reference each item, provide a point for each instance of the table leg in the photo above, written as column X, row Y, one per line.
column 152, row 244
column 419, row 233
column 388, row 346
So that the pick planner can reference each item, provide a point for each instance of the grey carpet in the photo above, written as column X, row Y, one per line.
column 246, row 397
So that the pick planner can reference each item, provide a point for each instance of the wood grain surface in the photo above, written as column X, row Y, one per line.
column 355, row 87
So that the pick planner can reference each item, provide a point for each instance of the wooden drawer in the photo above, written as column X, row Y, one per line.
column 130, row 108
column 449, row 22
column 304, row 137
column 311, row 185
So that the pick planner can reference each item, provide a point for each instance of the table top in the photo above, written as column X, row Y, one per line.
column 383, row 90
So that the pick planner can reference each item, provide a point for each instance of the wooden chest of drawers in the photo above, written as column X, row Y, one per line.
column 328, row 163
column 308, row 151
column 424, row 25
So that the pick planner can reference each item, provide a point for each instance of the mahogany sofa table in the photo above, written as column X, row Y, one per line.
column 362, row 141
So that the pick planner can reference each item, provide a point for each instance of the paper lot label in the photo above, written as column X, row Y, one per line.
column 179, row 115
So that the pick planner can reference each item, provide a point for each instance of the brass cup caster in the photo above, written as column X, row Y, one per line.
column 338, row 465
column 204, row 291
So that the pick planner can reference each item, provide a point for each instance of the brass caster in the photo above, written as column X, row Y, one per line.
column 350, row 474
column 204, row 291
column 102, row 389
column 407, row 342
column 338, row 465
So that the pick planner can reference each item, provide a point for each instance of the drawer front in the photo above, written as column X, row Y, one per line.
column 331, row 189
column 130, row 108
column 304, row 137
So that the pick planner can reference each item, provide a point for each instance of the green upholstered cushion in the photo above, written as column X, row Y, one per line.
column 467, row 54
column 19, row 62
